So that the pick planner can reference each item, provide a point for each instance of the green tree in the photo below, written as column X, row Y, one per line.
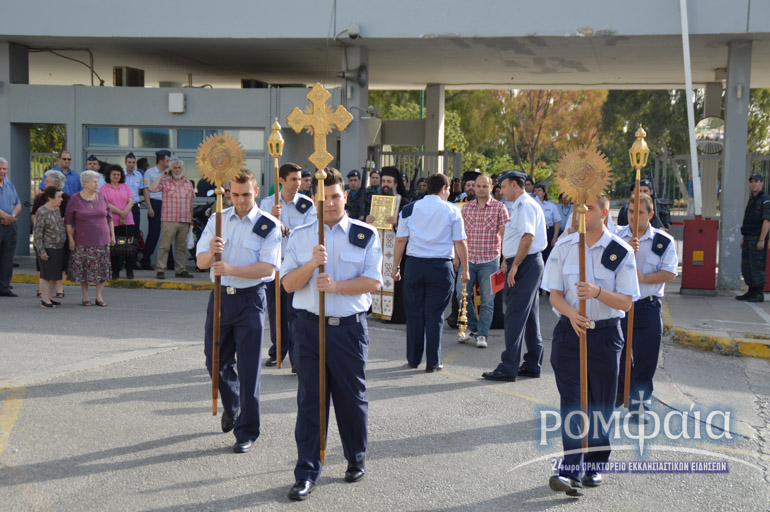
column 47, row 138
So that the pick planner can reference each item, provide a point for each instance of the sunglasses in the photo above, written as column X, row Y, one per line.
column 66, row 159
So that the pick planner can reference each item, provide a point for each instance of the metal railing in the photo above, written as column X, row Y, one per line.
column 417, row 164
column 39, row 163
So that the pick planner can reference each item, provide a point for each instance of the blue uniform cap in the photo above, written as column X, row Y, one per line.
column 354, row 174
column 306, row 173
column 512, row 174
column 757, row 177
column 91, row 158
column 644, row 182
column 162, row 153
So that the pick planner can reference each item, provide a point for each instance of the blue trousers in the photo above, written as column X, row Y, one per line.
column 137, row 216
column 604, row 344
column 287, row 316
column 7, row 250
column 347, row 347
column 648, row 332
column 153, row 236
column 522, row 318
column 479, row 272
column 240, row 349
column 428, row 284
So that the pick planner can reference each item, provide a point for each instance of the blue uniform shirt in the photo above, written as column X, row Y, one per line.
column 135, row 181
column 297, row 212
column 71, row 184
column 562, row 271
column 344, row 261
column 8, row 196
column 432, row 227
column 242, row 246
column 526, row 218
column 648, row 261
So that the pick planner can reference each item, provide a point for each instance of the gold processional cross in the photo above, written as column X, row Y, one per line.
column 318, row 118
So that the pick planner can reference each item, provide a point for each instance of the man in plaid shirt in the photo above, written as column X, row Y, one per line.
column 176, row 217
column 485, row 219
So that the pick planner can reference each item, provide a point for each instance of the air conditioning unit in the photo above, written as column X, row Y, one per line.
column 124, row 76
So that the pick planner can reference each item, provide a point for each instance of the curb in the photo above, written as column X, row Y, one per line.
column 149, row 284
column 710, row 343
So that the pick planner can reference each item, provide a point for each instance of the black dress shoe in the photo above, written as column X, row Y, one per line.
column 566, row 484
column 431, row 369
column 592, row 479
column 412, row 366
column 228, row 422
column 129, row 274
column 355, row 471
column 301, row 490
column 528, row 373
column 271, row 361
column 8, row 294
column 498, row 375
column 242, row 446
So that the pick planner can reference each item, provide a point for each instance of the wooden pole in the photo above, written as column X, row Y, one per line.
column 278, row 353
column 217, row 311
column 581, row 210
column 320, row 177
column 630, row 324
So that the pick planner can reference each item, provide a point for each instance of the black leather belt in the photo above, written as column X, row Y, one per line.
column 232, row 290
column 334, row 320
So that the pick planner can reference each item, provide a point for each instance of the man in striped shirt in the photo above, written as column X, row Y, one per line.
column 485, row 219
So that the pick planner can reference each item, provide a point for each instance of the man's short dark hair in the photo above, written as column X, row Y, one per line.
column 110, row 168
column 436, row 183
column 61, row 153
column 287, row 169
column 246, row 176
column 333, row 177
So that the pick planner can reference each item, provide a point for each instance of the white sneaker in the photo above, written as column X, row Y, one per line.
column 463, row 338
column 481, row 342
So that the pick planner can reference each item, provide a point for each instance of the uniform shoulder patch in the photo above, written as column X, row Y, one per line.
column 359, row 235
column 613, row 255
column 263, row 226
column 406, row 211
column 660, row 243
column 303, row 204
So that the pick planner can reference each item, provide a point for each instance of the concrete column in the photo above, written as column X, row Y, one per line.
column 353, row 142
column 734, row 169
column 14, row 138
column 434, row 123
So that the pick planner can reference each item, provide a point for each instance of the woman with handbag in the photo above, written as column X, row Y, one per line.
column 91, row 233
column 50, row 237
column 121, row 200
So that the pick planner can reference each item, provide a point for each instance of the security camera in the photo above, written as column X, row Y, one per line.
column 354, row 31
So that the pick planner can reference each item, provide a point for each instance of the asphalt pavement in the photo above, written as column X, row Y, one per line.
column 109, row 409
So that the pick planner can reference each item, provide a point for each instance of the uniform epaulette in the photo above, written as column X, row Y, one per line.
column 360, row 234
column 660, row 243
column 303, row 204
column 613, row 255
column 263, row 226
column 406, row 211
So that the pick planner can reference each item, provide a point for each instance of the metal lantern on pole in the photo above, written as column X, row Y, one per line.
column 275, row 146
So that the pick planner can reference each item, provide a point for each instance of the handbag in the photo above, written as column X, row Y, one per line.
column 125, row 247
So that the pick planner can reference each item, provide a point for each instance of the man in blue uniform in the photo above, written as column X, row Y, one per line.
column 755, row 228
column 434, row 229
column 250, row 246
column 609, row 289
column 294, row 210
column 656, row 264
column 356, row 195
column 352, row 257
column 523, row 240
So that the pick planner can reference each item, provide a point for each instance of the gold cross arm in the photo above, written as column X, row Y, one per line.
column 319, row 119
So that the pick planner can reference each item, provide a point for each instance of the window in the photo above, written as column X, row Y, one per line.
column 252, row 140
column 107, row 136
column 191, row 139
column 152, row 138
